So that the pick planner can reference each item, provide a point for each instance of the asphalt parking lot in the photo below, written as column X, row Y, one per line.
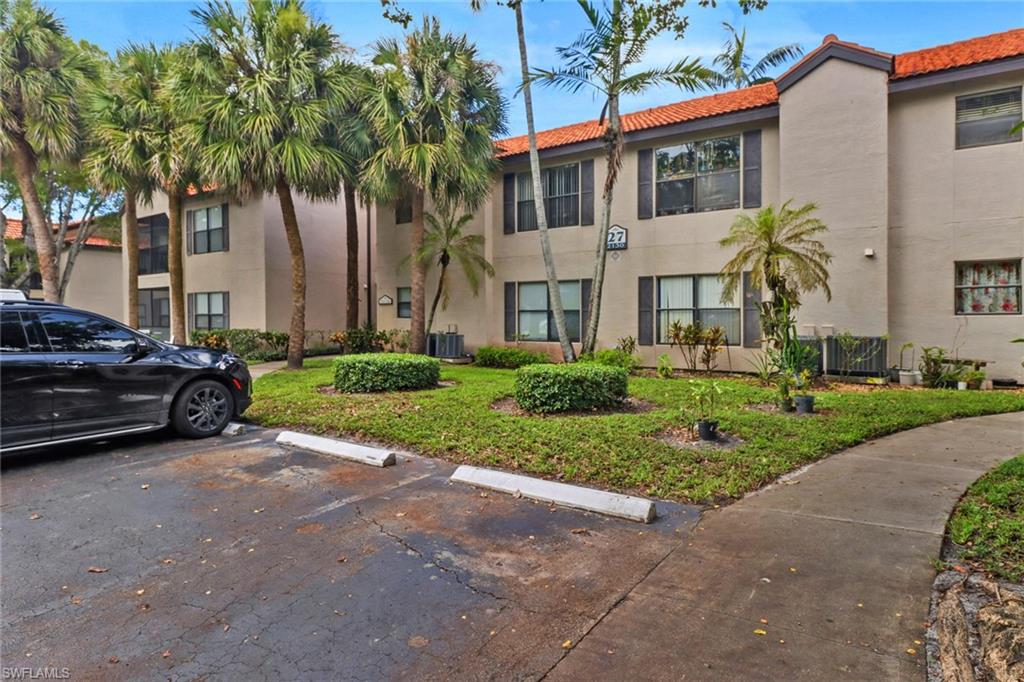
column 160, row 558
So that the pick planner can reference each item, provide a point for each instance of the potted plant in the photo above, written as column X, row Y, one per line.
column 784, row 381
column 907, row 375
column 705, row 401
column 804, row 400
column 974, row 378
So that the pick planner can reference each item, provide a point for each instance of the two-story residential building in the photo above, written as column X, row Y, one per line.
column 237, row 265
column 909, row 158
column 96, row 283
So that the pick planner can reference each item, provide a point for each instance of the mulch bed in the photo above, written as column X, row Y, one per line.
column 684, row 438
column 631, row 406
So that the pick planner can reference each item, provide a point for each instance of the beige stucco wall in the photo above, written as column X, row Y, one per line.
column 96, row 283
column 661, row 246
column 256, row 268
column 833, row 133
column 951, row 205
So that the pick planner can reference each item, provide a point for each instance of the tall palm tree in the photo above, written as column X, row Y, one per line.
column 353, row 137
column 734, row 69
column 121, row 123
column 263, row 86
column 43, row 76
column 434, row 107
column 445, row 243
column 554, row 291
column 602, row 59
column 778, row 249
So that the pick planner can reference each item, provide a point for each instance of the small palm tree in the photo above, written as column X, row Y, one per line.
column 262, row 88
column 43, row 76
column 778, row 249
column 444, row 243
column 604, row 59
column 734, row 69
column 434, row 106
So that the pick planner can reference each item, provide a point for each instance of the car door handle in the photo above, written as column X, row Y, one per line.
column 73, row 364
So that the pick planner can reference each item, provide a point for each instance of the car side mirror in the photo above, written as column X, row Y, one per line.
column 142, row 348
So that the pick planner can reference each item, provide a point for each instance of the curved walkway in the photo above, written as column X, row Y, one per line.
column 824, row 576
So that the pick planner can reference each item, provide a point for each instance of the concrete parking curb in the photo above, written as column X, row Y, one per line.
column 339, row 448
column 577, row 497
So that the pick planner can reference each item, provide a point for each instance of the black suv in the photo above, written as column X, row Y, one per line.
column 69, row 375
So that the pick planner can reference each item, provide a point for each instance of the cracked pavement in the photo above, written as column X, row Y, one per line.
column 234, row 557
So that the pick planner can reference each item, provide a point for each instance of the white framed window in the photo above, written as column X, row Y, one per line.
column 697, row 176
column 561, row 197
column 209, row 310
column 208, row 229
column 689, row 298
column 987, row 118
column 535, row 319
column 991, row 287
column 403, row 301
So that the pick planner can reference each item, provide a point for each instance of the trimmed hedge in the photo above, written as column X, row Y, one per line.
column 613, row 357
column 508, row 358
column 373, row 372
column 559, row 388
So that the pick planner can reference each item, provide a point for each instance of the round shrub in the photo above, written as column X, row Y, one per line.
column 559, row 388
column 372, row 372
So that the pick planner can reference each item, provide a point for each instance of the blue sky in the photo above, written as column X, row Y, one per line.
column 887, row 26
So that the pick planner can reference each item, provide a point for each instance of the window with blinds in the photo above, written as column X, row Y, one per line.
column 689, row 298
column 561, row 197
column 987, row 118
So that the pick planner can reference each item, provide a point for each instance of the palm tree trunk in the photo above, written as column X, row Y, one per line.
column 297, row 329
column 130, row 228
column 437, row 297
column 417, row 338
column 614, row 158
column 175, row 266
column 555, row 295
column 352, row 258
column 25, row 166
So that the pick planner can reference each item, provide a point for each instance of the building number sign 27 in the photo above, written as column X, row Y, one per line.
column 617, row 238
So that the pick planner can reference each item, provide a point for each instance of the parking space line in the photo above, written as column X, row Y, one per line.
column 337, row 504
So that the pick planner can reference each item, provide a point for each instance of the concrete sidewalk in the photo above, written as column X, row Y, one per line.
column 824, row 576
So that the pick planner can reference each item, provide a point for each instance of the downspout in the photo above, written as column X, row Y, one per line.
column 370, row 300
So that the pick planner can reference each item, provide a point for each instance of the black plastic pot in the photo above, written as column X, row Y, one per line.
column 805, row 404
column 786, row 404
column 707, row 430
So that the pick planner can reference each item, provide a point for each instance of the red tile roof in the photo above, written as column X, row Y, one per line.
column 16, row 230
column 964, row 53
column 679, row 112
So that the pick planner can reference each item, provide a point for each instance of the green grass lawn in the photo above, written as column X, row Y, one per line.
column 612, row 450
column 989, row 521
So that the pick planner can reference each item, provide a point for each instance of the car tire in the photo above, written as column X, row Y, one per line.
column 202, row 409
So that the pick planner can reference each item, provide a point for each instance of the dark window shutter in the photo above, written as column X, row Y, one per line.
column 510, row 311
column 509, row 194
column 227, row 310
column 587, row 192
column 189, row 221
column 585, row 287
column 645, row 184
column 190, row 314
column 751, row 314
column 224, row 223
column 752, row 169
column 645, row 311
